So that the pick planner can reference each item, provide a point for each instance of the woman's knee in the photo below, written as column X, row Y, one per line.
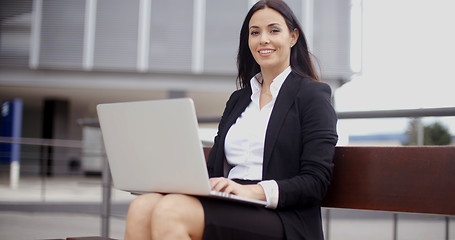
column 145, row 203
column 173, row 206
column 138, row 221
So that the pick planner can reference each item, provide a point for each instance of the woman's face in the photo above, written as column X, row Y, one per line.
column 270, row 41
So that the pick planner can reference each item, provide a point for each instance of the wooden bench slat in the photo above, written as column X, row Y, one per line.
column 404, row 179
column 90, row 238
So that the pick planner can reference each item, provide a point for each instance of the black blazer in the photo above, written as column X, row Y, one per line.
column 299, row 147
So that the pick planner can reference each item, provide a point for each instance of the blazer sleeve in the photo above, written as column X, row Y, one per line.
column 317, row 138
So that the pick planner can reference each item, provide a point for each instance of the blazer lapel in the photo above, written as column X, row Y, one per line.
column 237, row 109
column 283, row 103
column 240, row 106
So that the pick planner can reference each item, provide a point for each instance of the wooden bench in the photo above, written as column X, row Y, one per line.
column 398, row 179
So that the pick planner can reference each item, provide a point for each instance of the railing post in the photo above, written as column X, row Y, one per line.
column 44, row 162
column 327, row 224
column 106, row 204
column 395, row 226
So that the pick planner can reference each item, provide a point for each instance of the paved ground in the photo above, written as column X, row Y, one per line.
column 32, row 225
column 58, row 207
column 61, row 207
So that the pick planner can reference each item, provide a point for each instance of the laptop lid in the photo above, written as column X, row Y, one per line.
column 154, row 146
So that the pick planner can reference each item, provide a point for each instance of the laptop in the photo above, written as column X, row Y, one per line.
column 154, row 146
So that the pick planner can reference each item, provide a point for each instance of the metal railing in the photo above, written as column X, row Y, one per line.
column 402, row 113
column 48, row 143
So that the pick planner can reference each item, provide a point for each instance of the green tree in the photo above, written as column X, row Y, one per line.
column 437, row 134
column 434, row 134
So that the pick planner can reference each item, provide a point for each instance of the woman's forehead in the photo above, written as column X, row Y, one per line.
column 266, row 17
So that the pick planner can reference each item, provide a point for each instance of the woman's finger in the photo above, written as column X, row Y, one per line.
column 215, row 181
column 218, row 184
column 229, row 189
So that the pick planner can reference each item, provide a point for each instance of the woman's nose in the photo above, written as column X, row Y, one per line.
column 265, row 39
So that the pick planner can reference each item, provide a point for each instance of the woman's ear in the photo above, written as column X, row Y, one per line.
column 294, row 36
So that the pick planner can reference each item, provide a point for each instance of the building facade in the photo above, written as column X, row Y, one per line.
column 63, row 57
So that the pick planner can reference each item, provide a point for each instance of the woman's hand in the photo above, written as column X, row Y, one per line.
column 221, row 184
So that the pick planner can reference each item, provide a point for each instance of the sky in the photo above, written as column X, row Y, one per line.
column 408, row 62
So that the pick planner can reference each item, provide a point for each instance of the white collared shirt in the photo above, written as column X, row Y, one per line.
column 244, row 145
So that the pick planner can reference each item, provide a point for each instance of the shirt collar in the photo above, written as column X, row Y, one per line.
column 256, row 84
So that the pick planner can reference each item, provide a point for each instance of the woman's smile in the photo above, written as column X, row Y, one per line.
column 266, row 52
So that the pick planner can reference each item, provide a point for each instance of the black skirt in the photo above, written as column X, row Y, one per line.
column 225, row 219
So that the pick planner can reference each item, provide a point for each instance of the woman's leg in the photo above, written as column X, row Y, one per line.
column 178, row 216
column 172, row 216
column 138, row 224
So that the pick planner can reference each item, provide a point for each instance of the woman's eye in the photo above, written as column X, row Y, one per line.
column 275, row 30
column 254, row 33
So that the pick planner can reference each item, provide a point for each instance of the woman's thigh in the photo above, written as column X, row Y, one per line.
column 231, row 220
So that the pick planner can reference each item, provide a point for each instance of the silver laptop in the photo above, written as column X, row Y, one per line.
column 154, row 146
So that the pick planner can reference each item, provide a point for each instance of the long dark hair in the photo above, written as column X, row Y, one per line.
column 301, row 62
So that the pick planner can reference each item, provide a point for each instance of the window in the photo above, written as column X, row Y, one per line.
column 171, row 34
column 62, row 34
column 116, row 35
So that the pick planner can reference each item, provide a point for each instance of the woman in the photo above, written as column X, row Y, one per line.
column 275, row 142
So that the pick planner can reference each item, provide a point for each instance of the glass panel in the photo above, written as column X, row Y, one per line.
column 116, row 35
column 171, row 34
column 62, row 34
column 15, row 29
column 222, row 30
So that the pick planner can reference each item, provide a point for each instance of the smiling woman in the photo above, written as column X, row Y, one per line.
column 275, row 143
